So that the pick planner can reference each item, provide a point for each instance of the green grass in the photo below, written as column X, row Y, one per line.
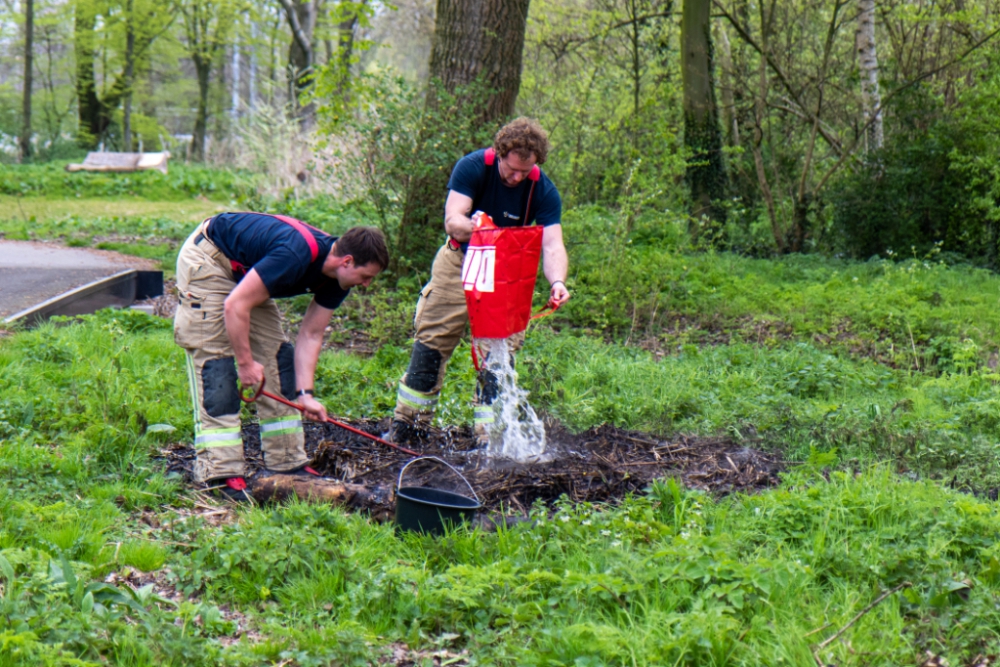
column 43, row 215
column 674, row 577
column 883, row 387
column 182, row 182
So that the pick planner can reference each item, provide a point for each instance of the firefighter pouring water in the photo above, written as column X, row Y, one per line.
column 506, row 183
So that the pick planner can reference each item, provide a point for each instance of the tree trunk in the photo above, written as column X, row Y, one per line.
column 29, row 38
column 87, row 103
column 706, row 174
column 252, row 73
column 477, row 43
column 345, row 32
column 235, row 90
column 129, row 78
column 729, row 117
column 203, row 69
column 871, row 101
column 302, row 15
column 760, row 113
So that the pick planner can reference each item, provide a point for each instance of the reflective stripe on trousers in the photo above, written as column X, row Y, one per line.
column 416, row 399
column 217, row 437
column 270, row 428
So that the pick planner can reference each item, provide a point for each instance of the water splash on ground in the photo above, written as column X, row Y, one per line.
column 517, row 434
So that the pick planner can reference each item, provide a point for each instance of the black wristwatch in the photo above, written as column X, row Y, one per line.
column 303, row 392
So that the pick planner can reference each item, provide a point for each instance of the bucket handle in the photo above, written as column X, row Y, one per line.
column 399, row 482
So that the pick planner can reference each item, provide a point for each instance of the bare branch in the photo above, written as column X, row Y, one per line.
column 297, row 31
column 885, row 100
column 780, row 73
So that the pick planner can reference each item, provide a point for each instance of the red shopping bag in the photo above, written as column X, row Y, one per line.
column 499, row 273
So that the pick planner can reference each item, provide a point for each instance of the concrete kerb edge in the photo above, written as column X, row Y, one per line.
column 117, row 289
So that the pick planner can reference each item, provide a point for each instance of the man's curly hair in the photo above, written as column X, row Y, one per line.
column 525, row 137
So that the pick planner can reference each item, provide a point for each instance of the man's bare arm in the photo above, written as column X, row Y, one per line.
column 308, row 345
column 249, row 294
column 555, row 263
column 457, row 222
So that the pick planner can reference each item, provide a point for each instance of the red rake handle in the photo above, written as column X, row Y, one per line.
column 260, row 392
column 544, row 312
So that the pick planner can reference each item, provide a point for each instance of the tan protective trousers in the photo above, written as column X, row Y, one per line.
column 204, row 280
column 440, row 322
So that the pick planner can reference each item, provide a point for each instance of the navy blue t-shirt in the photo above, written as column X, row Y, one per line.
column 280, row 255
column 506, row 205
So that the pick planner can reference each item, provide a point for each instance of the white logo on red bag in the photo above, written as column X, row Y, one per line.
column 477, row 272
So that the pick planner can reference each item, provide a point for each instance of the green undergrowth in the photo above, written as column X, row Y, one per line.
column 672, row 577
column 648, row 287
column 183, row 181
column 644, row 288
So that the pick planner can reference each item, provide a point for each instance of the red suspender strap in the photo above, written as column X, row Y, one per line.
column 302, row 229
column 528, row 207
column 490, row 156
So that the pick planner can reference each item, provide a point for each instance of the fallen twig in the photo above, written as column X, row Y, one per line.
column 641, row 440
column 826, row 642
column 820, row 629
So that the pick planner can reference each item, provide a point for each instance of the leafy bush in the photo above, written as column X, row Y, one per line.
column 933, row 186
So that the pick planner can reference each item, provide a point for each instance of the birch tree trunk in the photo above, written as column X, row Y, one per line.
column 235, row 90
column 29, row 38
column 706, row 175
column 252, row 73
column 476, row 54
column 871, row 101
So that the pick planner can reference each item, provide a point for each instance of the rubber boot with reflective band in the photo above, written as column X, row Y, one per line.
column 418, row 401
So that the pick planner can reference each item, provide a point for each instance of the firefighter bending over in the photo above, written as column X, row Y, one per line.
column 506, row 183
column 229, row 272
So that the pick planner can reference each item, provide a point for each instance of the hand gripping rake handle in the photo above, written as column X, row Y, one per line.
column 260, row 392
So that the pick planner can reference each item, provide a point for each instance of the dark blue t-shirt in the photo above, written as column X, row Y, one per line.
column 280, row 255
column 506, row 205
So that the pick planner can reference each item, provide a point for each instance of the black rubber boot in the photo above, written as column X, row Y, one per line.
column 402, row 433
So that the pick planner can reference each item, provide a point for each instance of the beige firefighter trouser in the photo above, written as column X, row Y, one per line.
column 204, row 280
column 440, row 323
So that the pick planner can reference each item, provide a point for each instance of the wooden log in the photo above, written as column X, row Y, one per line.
column 379, row 500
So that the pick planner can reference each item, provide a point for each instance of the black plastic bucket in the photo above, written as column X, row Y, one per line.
column 424, row 509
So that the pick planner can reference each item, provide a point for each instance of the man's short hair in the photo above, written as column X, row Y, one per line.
column 525, row 137
column 365, row 245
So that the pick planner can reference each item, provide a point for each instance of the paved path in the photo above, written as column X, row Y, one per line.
column 32, row 272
